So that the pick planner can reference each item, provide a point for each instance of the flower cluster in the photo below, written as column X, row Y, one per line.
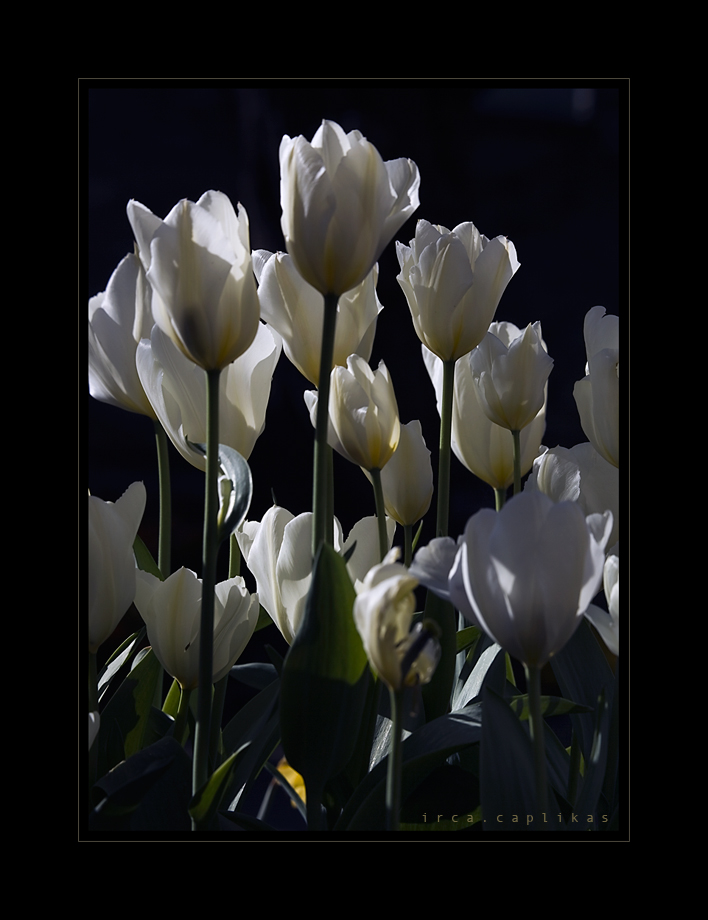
column 189, row 332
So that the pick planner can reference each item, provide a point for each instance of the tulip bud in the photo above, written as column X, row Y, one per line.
column 341, row 205
column 364, row 413
column 407, row 478
column 383, row 611
column 118, row 318
column 200, row 270
column 597, row 394
column 453, row 282
column 511, row 379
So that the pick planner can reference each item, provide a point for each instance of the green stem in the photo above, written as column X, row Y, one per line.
column 499, row 499
column 380, row 511
column 210, row 547
column 407, row 544
column 323, row 525
column 516, row 435
column 448, row 393
column 437, row 693
column 533, row 682
column 393, row 772
column 164, row 548
column 182, row 715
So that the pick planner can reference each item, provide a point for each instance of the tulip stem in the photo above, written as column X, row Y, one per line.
column 164, row 546
column 393, row 773
column 407, row 544
column 437, row 693
column 380, row 511
column 533, row 687
column 445, row 449
column 499, row 499
column 516, row 435
column 323, row 529
column 210, row 547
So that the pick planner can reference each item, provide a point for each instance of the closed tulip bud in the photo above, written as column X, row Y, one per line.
column 597, row 394
column 485, row 449
column 118, row 318
column 383, row 612
column 407, row 478
column 530, row 571
column 176, row 388
column 364, row 413
column 171, row 610
column 453, row 282
column 511, row 379
column 113, row 528
column 199, row 267
column 295, row 310
column 341, row 205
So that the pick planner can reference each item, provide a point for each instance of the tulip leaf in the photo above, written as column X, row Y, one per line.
column 144, row 558
column 550, row 706
column 582, row 672
column 129, row 794
column 324, row 679
column 238, row 500
column 127, row 713
column 422, row 752
column 205, row 803
column 506, row 767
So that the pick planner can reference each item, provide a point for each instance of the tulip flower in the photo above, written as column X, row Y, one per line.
column 364, row 413
column 199, row 266
column 581, row 475
column 453, row 282
column 171, row 610
column 484, row 448
column 177, row 390
column 296, row 310
column 607, row 622
column 113, row 528
column 118, row 318
column 341, row 205
column 407, row 478
column 383, row 612
column 597, row 394
column 530, row 572
column 511, row 379
column 277, row 550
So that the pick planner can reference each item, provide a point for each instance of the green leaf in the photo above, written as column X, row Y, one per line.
column 550, row 706
column 422, row 753
column 237, row 471
column 127, row 713
column 205, row 803
column 325, row 678
column 150, row 790
column 143, row 557
column 582, row 672
column 506, row 766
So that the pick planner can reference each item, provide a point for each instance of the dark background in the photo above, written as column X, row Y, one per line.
column 543, row 164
